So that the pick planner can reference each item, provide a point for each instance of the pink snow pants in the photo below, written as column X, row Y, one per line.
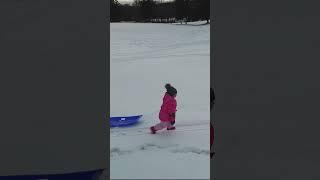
column 162, row 125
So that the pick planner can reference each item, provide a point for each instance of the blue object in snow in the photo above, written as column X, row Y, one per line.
column 124, row 121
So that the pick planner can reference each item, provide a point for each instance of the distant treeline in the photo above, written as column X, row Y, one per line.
column 159, row 11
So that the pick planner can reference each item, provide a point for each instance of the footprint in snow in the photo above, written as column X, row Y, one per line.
column 191, row 150
column 148, row 146
column 117, row 151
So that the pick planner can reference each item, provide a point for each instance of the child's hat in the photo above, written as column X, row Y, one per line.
column 170, row 89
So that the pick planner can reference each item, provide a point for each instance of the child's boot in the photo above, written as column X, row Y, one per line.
column 171, row 128
column 153, row 131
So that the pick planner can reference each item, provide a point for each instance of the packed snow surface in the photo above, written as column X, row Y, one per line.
column 143, row 57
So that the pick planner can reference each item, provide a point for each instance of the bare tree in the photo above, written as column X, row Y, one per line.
column 114, row 10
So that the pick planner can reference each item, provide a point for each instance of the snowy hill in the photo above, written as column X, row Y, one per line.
column 143, row 58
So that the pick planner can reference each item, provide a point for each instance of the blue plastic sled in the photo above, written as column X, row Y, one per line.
column 124, row 121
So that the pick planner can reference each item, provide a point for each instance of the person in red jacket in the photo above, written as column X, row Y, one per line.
column 167, row 114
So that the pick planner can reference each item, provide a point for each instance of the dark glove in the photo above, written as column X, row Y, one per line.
column 173, row 122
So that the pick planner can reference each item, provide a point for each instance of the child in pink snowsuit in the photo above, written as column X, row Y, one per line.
column 168, row 110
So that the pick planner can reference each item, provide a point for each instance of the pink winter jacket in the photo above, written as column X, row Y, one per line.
column 169, row 106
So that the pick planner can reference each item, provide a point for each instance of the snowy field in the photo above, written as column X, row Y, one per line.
column 143, row 58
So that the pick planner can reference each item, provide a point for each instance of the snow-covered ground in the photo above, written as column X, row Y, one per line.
column 143, row 58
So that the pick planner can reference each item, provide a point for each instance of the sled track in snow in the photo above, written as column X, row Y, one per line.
column 144, row 131
column 147, row 58
column 125, row 129
column 148, row 132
